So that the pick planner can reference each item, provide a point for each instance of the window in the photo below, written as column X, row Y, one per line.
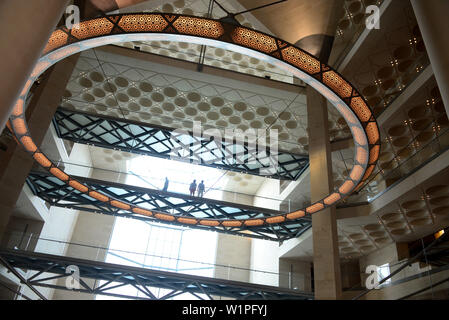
column 160, row 247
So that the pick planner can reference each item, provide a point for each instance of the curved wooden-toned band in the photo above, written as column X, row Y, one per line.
column 160, row 26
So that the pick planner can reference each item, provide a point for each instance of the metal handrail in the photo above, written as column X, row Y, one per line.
column 37, row 238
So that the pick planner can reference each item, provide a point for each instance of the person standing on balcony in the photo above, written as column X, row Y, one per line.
column 192, row 188
column 165, row 185
column 201, row 189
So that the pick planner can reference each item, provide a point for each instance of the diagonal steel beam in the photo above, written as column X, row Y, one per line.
column 21, row 278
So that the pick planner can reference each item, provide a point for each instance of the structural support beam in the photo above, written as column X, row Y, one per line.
column 25, row 27
column 326, row 258
column 436, row 167
column 16, row 163
column 434, row 24
column 21, row 278
column 166, row 143
column 110, row 276
column 59, row 194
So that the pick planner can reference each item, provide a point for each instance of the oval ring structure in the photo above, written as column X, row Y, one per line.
column 181, row 28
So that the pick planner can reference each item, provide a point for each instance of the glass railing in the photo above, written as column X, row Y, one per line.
column 390, row 173
column 93, row 252
column 349, row 30
column 414, row 280
column 405, row 78
column 418, row 277
column 219, row 192
column 385, row 176
column 413, row 156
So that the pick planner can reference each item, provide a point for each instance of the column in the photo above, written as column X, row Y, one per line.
column 326, row 260
column 432, row 16
column 15, row 162
column 25, row 27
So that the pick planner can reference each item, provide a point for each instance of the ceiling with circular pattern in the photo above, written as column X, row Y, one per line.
column 133, row 90
column 413, row 135
column 381, row 71
column 422, row 211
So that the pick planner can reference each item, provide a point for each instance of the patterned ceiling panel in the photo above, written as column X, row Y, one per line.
column 124, row 91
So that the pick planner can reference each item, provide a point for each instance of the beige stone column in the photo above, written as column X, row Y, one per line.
column 326, row 260
column 25, row 27
column 432, row 16
column 15, row 162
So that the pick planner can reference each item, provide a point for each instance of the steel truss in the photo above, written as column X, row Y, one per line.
column 146, row 281
column 58, row 193
column 167, row 143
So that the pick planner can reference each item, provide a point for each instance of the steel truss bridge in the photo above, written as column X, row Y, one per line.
column 60, row 194
column 198, row 148
column 107, row 276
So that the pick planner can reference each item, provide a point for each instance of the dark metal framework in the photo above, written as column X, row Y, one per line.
column 145, row 281
column 59, row 194
column 163, row 142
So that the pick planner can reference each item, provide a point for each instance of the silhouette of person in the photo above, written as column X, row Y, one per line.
column 192, row 188
column 165, row 185
column 201, row 189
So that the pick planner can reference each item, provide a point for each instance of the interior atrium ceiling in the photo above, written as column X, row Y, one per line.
column 121, row 81
column 330, row 78
column 139, row 90
column 287, row 117
column 128, row 85
column 109, row 150
column 116, row 85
